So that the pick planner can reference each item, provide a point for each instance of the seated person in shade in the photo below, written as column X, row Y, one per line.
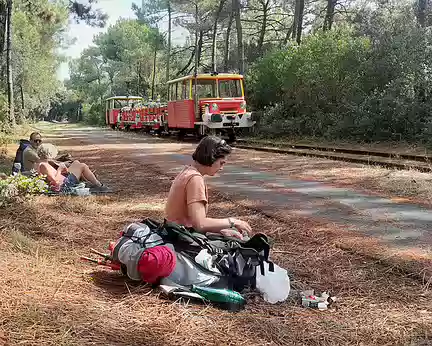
column 63, row 179
column 30, row 156
column 187, row 202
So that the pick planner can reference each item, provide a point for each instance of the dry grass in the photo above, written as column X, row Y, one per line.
column 48, row 297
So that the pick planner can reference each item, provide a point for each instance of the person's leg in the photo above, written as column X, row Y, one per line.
column 81, row 170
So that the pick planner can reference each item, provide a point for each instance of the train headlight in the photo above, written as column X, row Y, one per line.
column 215, row 107
column 216, row 118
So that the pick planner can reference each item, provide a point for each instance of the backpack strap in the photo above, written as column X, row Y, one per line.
column 129, row 235
column 182, row 232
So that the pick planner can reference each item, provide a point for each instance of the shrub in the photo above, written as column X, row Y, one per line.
column 341, row 85
column 17, row 187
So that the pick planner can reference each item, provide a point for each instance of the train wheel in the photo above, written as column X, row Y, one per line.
column 231, row 135
column 181, row 134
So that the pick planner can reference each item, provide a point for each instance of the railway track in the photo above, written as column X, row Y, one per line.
column 422, row 163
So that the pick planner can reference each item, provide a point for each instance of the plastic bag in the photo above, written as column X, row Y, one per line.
column 274, row 286
column 206, row 260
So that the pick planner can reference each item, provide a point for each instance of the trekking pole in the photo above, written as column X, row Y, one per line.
column 97, row 261
column 105, row 256
column 102, row 262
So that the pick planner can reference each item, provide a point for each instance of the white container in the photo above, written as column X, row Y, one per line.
column 83, row 191
column 274, row 286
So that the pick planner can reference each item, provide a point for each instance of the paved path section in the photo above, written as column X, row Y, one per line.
column 401, row 224
column 398, row 224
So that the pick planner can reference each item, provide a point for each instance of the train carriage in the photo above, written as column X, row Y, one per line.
column 199, row 105
column 124, row 112
column 208, row 103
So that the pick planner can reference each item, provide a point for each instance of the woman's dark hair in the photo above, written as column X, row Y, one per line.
column 210, row 149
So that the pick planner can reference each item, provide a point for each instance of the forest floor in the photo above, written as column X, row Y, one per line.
column 49, row 297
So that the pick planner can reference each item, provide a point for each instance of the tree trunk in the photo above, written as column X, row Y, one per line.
column 328, row 21
column 240, row 47
column 421, row 13
column 421, row 20
column 265, row 8
column 200, row 45
column 167, row 77
column 22, row 97
column 227, row 43
column 3, row 20
column 138, row 78
column 196, row 42
column 9, row 64
column 295, row 20
column 288, row 35
column 300, row 21
column 214, row 38
column 154, row 73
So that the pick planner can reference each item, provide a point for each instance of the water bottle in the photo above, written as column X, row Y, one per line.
column 16, row 168
column 232, row 300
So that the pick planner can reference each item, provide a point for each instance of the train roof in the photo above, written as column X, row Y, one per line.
column 209, row 76
column 124, row 98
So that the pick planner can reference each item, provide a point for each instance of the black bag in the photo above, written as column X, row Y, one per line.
column 237, row 260
column 23, row 143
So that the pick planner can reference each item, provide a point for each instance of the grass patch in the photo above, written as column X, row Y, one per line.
column 22, row 243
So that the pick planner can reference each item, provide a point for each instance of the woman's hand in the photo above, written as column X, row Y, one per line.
column 242, row 226
column 62, row 167
column 231, row 233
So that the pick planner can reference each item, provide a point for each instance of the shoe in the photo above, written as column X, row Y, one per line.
column 100, row 189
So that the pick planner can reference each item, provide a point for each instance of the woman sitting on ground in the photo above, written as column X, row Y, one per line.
column 63, row 179
column 187, row 203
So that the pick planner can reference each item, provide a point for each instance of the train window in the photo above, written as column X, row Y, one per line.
column 206, row 88
column 185, row 90
column 230, row 88
column 173, row 93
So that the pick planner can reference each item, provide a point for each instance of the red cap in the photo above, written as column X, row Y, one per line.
column 156, row 263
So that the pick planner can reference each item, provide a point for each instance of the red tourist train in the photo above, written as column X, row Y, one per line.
column 205, row 104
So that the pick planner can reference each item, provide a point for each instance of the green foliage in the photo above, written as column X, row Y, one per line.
column 120, row 63
column 36, row 29
column 316, row 83
column 17, row 187
column 341, row 84
column 95, row 115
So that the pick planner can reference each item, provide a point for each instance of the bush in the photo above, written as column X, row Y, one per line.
column 95, row 115
column 341, row 86
column 17, row 187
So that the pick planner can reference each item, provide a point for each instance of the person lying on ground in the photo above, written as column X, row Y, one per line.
column 30, row 155
column 63, row 178
column 187, row 202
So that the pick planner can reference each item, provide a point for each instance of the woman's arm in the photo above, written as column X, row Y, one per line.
column 196, row 205
column 199, row 220
column 204, row 224
column 52, row 177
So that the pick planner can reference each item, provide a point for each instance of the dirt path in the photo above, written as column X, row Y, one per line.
column 48, row 297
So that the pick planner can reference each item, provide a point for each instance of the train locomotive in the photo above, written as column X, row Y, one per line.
column 197, row 105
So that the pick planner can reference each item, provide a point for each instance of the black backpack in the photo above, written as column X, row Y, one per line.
column 237, row 260
column 23, row 143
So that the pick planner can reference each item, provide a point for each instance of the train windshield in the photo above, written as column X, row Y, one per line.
column 206, row 88
column 230, row 88
column 120, row 103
